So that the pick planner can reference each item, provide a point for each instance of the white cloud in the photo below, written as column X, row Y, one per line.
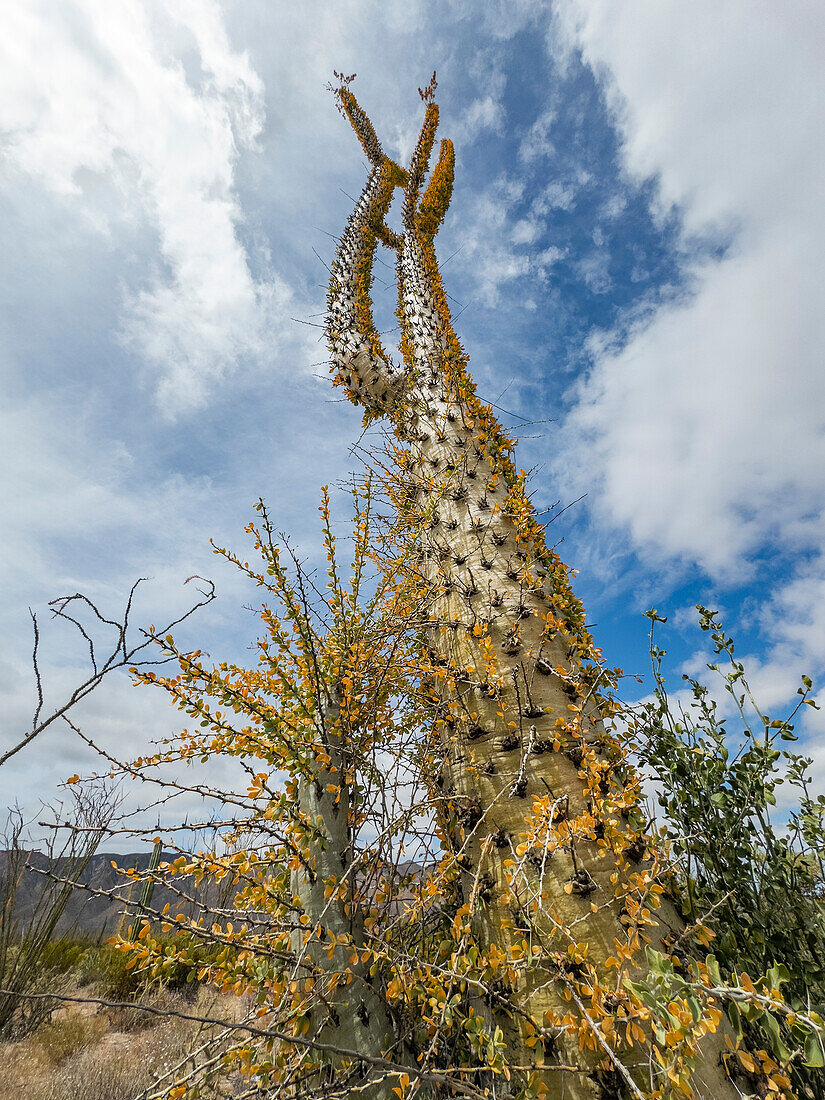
column 550, row 256
column 593, row 270
column 558, row 196
column 482, row 114
column 537, row 142
column 526, row 231
column 487, row 236
column 703, row 435
column 155, row 99
column 706, row 431
column 68, row 501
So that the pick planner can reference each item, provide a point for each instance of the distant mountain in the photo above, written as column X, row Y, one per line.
column 96, row 907
column 97, row 912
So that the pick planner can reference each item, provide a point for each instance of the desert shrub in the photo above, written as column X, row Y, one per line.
column 753, row 876
column 181, row 959
column 65, row 955
column 105, row 968
column 64, row 1036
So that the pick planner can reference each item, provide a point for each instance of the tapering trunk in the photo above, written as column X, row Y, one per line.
column 538, row 813
column 350, row 1016
column 522, row 736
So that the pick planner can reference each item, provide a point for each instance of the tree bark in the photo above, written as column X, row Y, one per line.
column 543, row 812
column 346, row 1011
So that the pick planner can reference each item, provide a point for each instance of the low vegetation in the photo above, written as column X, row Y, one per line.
column 32, row 959
column 115, row 1070
column 747, row 835
column 84, row 1050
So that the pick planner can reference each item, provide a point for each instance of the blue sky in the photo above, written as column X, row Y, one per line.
column 636, row 244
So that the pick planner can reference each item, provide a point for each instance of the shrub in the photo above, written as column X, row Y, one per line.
column 64, row 1036
column 105, row 968
column 65, row 955
column 756, row 881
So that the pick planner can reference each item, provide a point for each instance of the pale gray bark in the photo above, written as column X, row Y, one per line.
column 351, row 1015
column 497, row 755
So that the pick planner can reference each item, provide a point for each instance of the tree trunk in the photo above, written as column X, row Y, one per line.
column 350, row 1016
column 542, row 807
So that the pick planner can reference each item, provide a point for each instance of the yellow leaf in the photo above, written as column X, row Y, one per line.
column 747, row 1061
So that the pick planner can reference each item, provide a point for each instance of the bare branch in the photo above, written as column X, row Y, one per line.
column 122, row 654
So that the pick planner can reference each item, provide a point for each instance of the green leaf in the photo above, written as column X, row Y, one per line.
column 655, row 617
column 770, row 1025
column 735, row 1018
column 814, row 1056
column 778, row 974
column 712, row 964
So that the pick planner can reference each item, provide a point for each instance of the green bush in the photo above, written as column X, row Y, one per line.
column 65, row 955
column 107, row 969
column 180, row 975
column 754, row 878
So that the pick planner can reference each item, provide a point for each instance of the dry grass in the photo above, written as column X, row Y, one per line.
column 68, row 1034
column 134, row 1018
column 112, row 1054
column 120, row 1067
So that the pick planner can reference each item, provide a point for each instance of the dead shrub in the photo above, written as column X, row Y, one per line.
column 136, row 1018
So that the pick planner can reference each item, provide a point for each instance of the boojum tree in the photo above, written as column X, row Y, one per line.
column 561, row 887
column 445, row 703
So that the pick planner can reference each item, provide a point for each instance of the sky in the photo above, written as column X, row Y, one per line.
column 635, row 254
